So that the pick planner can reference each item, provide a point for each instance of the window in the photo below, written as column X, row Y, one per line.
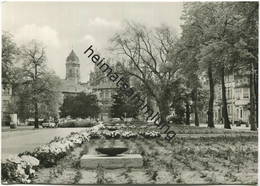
column 5, row 103
column 237, row 92
column 229, row 92
column 245, row 93
column 106, row 94
column 241, row 113
column 229, row 109
column 231, row 78
column 101, row 95
column 5, row 92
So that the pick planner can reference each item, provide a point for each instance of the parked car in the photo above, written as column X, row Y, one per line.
column 48, row 125
column 30, row 121
column 240, row 122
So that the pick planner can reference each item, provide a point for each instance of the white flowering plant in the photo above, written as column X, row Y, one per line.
column 150, row 134
column 95, row 135
column 128, row 134
column 111, row 134
column 17, row 169
column 21, row 168
column 50, row 153
column 112, row 128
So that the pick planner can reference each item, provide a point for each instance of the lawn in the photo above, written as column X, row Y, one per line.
column 230, row 157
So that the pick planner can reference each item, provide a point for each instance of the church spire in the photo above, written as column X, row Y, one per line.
column 73, row 67
column 72, row 57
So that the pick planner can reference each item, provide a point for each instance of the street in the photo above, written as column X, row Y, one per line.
column 15, row 142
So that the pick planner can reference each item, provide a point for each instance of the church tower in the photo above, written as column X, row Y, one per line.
column 73, row 68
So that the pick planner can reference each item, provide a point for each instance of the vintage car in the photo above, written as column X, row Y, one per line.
column 48, row 125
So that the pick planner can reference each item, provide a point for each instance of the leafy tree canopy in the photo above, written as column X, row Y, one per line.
column 80, row 106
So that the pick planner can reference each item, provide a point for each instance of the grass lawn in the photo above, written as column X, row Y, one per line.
column 227, row 158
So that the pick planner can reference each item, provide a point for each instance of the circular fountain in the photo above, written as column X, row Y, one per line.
column 112, row 151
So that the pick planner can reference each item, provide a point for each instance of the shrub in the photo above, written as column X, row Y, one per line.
column 85, row 123
column 81, row 123
column 67, row 124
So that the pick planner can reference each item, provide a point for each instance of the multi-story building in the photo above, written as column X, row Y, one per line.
column 98, row 84
column 104, row 89
column 72, row 85
column 238, row 100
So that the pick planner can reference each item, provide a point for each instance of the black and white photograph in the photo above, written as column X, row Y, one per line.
column 129, row 92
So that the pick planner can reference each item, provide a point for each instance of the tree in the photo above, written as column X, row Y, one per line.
column 211, row 22
column 123, row 107
column 196, row 18
column 52, row 98
column 194, row 97
column 41, row 84
column 190, row 66
column 48, row 103
column 227, row 36
column 80, row 106
column 9, row 53
column 246, row 48
column 149, row 59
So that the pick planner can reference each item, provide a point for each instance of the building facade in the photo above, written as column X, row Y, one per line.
column 104, row 89
column 238, row 98
column 71, row 85
column 98, row 84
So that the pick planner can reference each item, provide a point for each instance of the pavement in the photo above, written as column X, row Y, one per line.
column 27, row 139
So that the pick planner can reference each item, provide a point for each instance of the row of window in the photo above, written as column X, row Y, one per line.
column 230, row 78
column 7, row 91
column 239, row 93
column 239, row 113
column 105, row 94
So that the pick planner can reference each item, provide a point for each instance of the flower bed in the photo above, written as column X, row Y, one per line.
column 21, row 168
column 127, row 134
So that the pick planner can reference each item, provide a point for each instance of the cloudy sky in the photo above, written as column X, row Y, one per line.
column 62, row 26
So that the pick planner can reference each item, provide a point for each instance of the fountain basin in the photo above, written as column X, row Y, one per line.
column 112, row 151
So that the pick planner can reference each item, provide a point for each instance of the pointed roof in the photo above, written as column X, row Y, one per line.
column 72, row 57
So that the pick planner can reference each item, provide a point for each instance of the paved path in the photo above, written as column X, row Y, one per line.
column 14, row 142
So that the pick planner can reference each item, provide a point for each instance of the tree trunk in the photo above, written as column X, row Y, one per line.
column 36, row 116
column 211, row 98
column 224, row 101
column 187, row 113
column 252, row 101
column 195, row 100
column 256, row 92
column 164, row 110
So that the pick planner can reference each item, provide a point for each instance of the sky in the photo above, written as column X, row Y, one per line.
column 63, row 26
